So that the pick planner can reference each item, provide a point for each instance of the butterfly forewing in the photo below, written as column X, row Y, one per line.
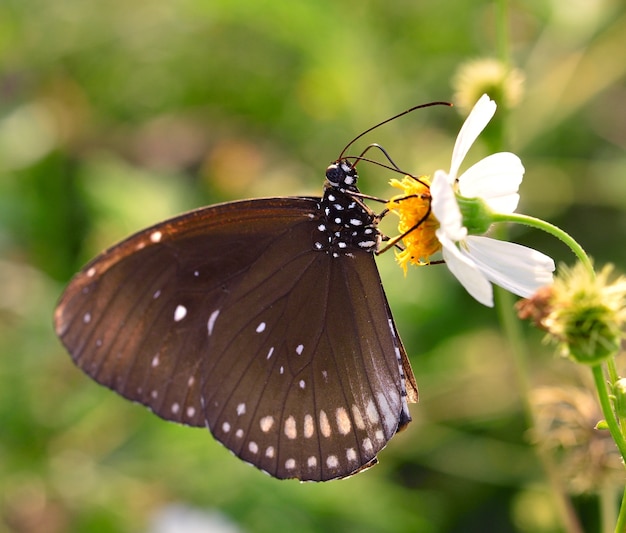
column 126, row 317
column 232, row 317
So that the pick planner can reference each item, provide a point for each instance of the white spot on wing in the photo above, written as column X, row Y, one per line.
column 91, row 272
column 290, row 428
column 351, row 454
column 311, row 461
column 358, row 418
column 290, row 464
column 87, row 318
column 302, row 384
column 155, row 361
column 367, row 445
column 191, row 411
column 261, row 327
column 332, row 461
column 156, row 294
column 253, row 446
column 269, row 452
column 180, row 313
column 266, row 423
column 239, row 433
column 343, row 421
column 156, row 236
column 372, row 412
column 211, row 322
column 389, row 419
column 299, row 349
column 324, row 425
column 309, row 426
column 225, row 427
column 241, row 409
column 175, row 408
column 269, row 354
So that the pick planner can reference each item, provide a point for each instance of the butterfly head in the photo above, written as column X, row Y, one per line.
column 342, row 175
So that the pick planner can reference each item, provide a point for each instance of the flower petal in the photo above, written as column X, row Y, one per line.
column 495, row 179
column 446, row 208
column 466, row 271
column 478, row 118
column 516, row 268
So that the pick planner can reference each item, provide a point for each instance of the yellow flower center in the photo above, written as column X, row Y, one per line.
column 417, row 224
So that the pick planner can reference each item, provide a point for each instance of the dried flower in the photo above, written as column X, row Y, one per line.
column 565, row 425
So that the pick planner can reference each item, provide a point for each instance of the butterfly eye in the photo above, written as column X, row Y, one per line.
column 334, row 174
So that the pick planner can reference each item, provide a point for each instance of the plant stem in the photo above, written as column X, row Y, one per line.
column 607, row 410
column 552, row 230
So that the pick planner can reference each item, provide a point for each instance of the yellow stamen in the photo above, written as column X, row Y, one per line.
column 413, row 208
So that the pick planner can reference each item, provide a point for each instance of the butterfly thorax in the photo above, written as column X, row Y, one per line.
column 345, row 222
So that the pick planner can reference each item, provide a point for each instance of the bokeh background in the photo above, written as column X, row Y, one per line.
column 117, row 114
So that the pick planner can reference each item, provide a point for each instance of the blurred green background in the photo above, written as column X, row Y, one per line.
column 117, row 114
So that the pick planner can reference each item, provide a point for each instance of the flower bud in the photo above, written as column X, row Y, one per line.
column 587, row 314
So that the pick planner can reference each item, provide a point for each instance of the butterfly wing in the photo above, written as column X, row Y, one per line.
column 227, row 317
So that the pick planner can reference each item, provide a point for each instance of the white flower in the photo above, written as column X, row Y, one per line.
column 478, row 261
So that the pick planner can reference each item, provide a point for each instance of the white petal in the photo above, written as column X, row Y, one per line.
column 445, row 207
column 495, row 179
column 466, row 271
column 517, row 268
column 478, row 118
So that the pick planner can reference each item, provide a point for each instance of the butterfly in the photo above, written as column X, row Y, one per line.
column 264, row 320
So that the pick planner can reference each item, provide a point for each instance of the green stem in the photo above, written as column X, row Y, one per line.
column 620, row 527
column 552, row 230
column 616, row 433
column 607, row 410
column 613, row 377
column 502, row 29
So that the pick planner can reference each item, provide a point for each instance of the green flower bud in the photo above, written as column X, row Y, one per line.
column 587, row 314
column 591, row 336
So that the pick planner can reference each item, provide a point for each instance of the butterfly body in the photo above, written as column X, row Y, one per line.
column 263, row 320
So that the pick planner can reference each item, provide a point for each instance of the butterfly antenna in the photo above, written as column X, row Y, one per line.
column 421, row 106
column 394, row 167
column 385, row 153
